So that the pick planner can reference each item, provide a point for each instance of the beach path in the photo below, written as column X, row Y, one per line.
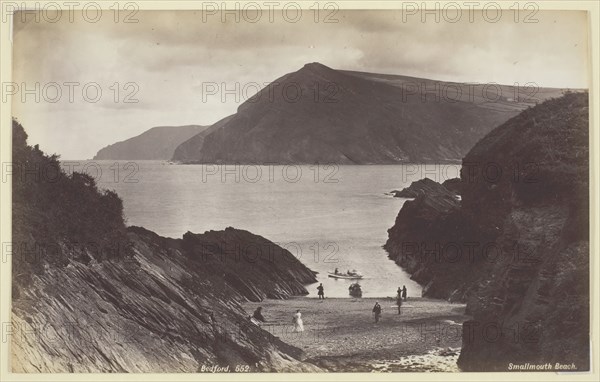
column 341, row 335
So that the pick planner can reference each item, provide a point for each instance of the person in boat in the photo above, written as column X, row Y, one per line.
column 297, row 320
column 377, row 311
column 404, row 292
column 321, row 292
column 336, row 271
column 258, row 314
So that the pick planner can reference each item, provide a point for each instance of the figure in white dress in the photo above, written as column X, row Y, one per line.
column 298, row 324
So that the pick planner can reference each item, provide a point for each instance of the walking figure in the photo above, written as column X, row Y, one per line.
column 399, row 301
column 377, row 311
column 404, row 292
column 297, row 320
column 321, row 291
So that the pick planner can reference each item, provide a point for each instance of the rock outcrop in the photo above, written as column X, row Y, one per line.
column 322, row 115
column 90, row 295
column 423, row 186
column 434, row 213
column 516, row 248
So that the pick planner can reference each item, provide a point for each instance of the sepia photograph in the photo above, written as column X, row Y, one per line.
column 298, row 187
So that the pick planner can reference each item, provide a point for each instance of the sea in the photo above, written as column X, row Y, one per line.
column 328, row 216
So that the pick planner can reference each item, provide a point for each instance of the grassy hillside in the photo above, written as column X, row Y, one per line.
column 322, row 115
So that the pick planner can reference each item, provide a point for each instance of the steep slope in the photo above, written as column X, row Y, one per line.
column 190, row 149
column 90, row 295
column 319, row 114
column 516, row 247
column 158, row 143
column 161, row 310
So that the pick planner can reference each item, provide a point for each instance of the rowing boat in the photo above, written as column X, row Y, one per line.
column 345, row 276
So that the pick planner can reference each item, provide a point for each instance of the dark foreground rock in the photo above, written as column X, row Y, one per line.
column 516, row 249
column 433, row 213
column 251, row 267
column 453, row 185
column 90, row 295
column 158, row 311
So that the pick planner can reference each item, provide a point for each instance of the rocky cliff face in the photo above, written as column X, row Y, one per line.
column 164, row 309
column 427, row 240
column 158, row 143
column 251, row 267
column 321, row 115
column 90, row 295
column 516, row 247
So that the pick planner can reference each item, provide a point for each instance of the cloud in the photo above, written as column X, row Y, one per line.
column 170, row 54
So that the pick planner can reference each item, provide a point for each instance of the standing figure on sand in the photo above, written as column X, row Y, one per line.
column 399, row 300
column 377, row 311
column 321, row 291
column 297, row 320
column 403, row 292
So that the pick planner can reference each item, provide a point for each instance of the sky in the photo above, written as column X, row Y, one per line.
column 105, row 81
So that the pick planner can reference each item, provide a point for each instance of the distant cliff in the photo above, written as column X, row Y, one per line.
column 90, row 295
column 158, row 143
column 322, row 115
column 191, row 148
column 516, row 248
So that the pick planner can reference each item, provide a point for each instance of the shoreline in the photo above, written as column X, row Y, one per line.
column 340, row 333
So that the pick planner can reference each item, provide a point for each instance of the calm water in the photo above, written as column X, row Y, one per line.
column 328, row 217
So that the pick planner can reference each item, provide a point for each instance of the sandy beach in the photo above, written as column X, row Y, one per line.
column 340, row 334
